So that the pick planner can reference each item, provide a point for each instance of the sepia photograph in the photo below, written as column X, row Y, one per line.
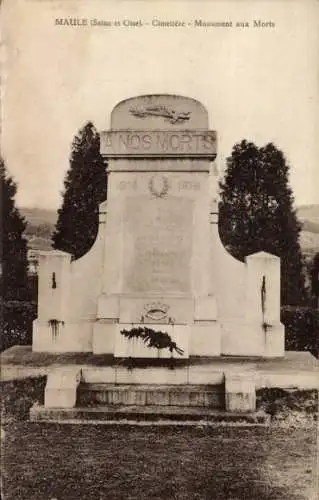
column 160, row 249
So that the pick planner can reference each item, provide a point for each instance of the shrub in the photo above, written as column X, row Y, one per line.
column 301, row 328
column 16, row 319
column 276, row 400
column 17, row 397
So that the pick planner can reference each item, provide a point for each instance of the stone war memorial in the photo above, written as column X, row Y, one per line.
column 158, row 266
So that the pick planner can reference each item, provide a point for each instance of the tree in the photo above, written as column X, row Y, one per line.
column 257, row 214
column 85, row 187
column 14, row 263
column 315, row 280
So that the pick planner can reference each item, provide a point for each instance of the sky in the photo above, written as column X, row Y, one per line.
column 260, row 84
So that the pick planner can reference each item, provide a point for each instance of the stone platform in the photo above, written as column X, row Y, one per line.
column 146, row 415
column 297, row 370
column 213, row 391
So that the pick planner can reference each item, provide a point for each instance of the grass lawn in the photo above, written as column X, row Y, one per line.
column 46, row 461
column 50, row 461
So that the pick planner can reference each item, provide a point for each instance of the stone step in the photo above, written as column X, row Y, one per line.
column 211, row 396
column 146, row 415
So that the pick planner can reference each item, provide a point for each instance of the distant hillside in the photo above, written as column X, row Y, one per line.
column 41, row 222
column 38, row 243
column 309, row 242
column 38, row 216
column 310, row 212
column 40, row 226
column 309, row 236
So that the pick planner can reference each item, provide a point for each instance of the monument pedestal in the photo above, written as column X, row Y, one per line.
column 158, row 261
column 190, row 322
column 196, row 339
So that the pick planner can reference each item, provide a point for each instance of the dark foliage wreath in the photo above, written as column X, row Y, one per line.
column 159, row 340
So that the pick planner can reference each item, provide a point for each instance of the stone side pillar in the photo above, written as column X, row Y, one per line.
column 53, row 295
column 61, row 387
column 263, row 301
column 240, row 393
column 54, row 281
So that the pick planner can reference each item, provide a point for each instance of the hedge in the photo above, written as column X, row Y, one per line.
column 301, row 328
column 16, row 319
column 17, row 397
column 276, row 400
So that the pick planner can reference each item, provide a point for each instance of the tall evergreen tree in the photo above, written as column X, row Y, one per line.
column 257, row 214
column 14, row 263
column 85, row 187
column 315, row 280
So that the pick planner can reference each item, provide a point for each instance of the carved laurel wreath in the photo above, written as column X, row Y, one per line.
column 158, row 190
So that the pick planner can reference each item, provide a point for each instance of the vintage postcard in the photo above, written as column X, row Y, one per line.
column 160, row 264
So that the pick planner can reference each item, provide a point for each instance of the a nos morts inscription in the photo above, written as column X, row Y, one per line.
column 158, row 258
column 158, row 143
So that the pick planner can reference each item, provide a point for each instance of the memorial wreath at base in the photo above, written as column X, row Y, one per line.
column 152, row 338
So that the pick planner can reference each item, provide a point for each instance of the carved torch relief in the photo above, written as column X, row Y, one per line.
column 169, row 114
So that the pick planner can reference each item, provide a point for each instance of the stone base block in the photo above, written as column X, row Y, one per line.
column 251, row 339
column 242, row 339
column 104, row 333
column 205, row 339
column 240, row 392
column 61, row 387
column 275, row 341
column 62, row 337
